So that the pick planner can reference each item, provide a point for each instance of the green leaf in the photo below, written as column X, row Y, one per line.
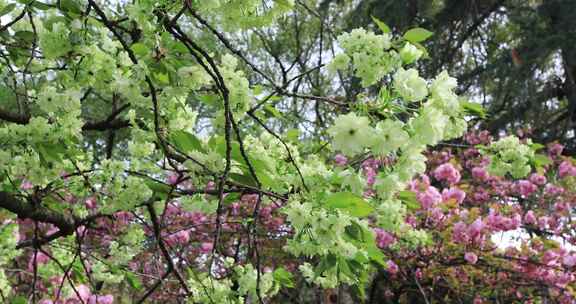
column 158, row 187
column 162, row 78
column 70, row 6
column 51, row 152
column 326, row 263
column 381, row 25
column 293, row 135
column 260, row 167
column 186, row 142
column 79, row 273
column 349, row 202
column 541, row 160
column 19, row 300
column 41, row 5
column 235, row 153
column 271, row 110
column 257, row 90
column 53, row 204
column 49, row 23
column 283, row 277
column 345, row 269
column 417, row 34
column 409, row 199
column 244, row 179
column 133, row 280
column 212, row 100
column 7, row 9
column 139, row 49
column 473, row 108
column 285, row 3
column 231, row 197
column 376, row 255
column 536, row 146
column 26, row 36
column 355, row 232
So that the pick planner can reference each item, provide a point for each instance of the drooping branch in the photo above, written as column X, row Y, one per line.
column 109, row 123
column 26, row 209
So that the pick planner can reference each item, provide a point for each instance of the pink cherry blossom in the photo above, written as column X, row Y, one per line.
column 90, row 203
column 538, row 179
column 172, row 179
column 555, row 149
column 206, row 247
column 529, row 218
column 340, row 160
column 392, row 267
column 525, row 188
column 566, row 169
column 26, row 185
column 106, row 299
column 453, row 193
column 447, row 172
column 569, row 260
column 480, row 174
column 471, row 257
column 429, row 198
column 383, row 238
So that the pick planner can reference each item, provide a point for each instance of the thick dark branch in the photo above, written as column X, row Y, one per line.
column 24, row 209
column 39, row 213
column 110, row 123
column 9, row 24
column 15, row 118
column 114, row 124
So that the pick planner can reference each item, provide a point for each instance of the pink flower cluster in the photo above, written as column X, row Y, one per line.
column 447, row 172
column 383, row 238
column 469, row 234
column 84, row 295
column 566, row 169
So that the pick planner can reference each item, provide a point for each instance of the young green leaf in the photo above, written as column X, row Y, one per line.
column 283, row 277
column 350, row 203
column 7, row 9
column 409, row 199
column 186, row 142
column 417, row 34
column 473, row 108
column 381, row 25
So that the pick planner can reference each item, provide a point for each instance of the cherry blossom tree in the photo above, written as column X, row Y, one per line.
column 162, row 151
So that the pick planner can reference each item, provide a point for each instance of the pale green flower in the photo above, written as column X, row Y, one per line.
column 193, row 77
column 411, row 163
column 390, row 215
column 340, row 62
column 387, row 185
column 351, row 133
column 369, row 55
column 409, row 53
column 55, row 43
column 509, row 155
column 389, row 136
column 417, row 238
column 428, row 127
column 409, row 85
column 353, row 180
column 443, row 85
